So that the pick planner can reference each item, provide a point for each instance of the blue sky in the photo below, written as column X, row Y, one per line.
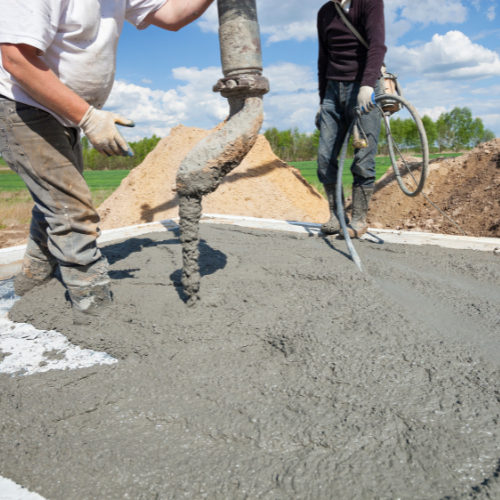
column 447, row 54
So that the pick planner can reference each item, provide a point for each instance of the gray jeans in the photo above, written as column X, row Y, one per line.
column 337, row 113
column 48, row 157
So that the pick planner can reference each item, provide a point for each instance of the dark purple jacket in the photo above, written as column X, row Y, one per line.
column 342, row 57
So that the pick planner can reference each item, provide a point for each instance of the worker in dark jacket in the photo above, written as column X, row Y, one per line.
column 348, row 75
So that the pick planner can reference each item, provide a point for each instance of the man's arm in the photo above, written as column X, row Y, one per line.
column 176, row 14
column 322, row 61
column 40, row 82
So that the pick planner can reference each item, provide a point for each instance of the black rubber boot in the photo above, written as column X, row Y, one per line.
column 38, row 268
column 361, row 197
column 89, row 290
column 333, row 225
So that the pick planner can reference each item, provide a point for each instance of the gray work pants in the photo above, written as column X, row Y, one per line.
column 48, row 157
column 337, row 113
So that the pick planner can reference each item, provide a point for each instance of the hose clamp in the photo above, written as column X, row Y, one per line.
column 242, row 84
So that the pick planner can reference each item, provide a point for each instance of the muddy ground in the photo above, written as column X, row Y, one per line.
column 465, row 188
column 296, row 377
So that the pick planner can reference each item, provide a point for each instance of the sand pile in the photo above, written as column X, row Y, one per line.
column 262, row 186
column 465, row 188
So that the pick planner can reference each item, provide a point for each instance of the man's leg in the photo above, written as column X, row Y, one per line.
column 363, row 167
column 333, row 128
column 48, row 158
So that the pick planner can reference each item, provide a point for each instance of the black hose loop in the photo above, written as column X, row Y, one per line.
column 423, row 141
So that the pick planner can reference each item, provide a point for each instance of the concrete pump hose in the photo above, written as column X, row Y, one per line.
column 340, row 170
column 423, row 142
column 340, row 205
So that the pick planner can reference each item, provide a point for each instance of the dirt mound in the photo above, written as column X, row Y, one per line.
column 465, row 188
column 262, row 186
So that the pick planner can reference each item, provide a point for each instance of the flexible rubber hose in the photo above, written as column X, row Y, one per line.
column 340, row 205
column 423, row 142
column 340, row 170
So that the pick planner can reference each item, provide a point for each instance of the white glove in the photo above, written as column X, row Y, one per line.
column 100, row 129
column 365, row 97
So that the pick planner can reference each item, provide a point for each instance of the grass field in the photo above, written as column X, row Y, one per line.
column 16, row 203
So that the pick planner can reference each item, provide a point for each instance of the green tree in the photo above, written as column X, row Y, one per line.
column 445, row 134
column 458, row 129
column 430, row 129
column 462, row 127
column 93, row 160
column 488, row 135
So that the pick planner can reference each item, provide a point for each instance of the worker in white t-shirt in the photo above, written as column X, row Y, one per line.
column 57, row 69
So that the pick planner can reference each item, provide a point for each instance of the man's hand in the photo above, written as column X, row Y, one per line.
column 38, row 80
column 100, row 129
column 176, row 14
column 365, row 99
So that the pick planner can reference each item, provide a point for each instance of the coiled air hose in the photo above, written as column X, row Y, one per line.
column 391, row 145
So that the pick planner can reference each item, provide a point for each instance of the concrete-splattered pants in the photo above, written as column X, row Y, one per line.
column 48, row 157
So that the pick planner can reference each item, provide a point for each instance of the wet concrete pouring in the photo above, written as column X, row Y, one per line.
column 294, row 377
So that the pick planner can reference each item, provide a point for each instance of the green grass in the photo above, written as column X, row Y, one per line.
column 446, row 155
column 16, row 202
column 97, row 180
column 308, row 170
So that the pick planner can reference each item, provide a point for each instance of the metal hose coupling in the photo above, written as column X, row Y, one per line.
column 244, row 86
column 203, row 169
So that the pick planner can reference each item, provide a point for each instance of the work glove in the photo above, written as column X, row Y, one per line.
column 100, row 129
column 366, row 99
column 317, row 120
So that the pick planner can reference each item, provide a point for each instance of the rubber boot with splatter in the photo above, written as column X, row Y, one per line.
column 38, row 268
column 89, row 290
column 361, row 197
column 333, row 225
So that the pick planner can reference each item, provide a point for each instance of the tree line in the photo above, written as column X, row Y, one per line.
column 93, row 160
column 456, row 130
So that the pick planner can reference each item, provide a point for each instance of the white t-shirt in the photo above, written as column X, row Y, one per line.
column 77, row 39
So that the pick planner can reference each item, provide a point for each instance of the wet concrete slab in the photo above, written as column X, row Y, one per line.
column 294, row 377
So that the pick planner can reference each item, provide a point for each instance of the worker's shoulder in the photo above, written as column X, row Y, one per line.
column 371, row 3
column 326, row 10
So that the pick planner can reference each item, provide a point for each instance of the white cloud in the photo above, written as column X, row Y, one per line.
column 433, row 113
column 492, row 121
column 289, row 77
column 427, row 11
column 492, row 90
column 157, row 111
column 145, row 80
column 296, row 19
column 491, row 13
column 293, row 101
column 446, row 57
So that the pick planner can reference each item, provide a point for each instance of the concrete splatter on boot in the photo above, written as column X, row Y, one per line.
column 38, row 268
column 89, row 290
column 333, row 225
column 361, row 197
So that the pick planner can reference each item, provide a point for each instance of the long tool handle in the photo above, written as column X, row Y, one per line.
column 340, row 205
